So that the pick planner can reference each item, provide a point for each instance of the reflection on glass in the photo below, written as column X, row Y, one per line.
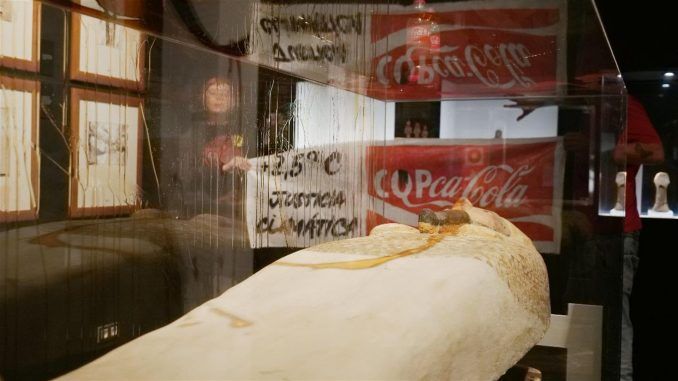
column 192, row 143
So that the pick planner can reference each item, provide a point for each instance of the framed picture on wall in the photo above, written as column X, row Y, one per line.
column 107, row 153
column 19, row 163
column 417, row 120
column 106, row 53
column 19, row 34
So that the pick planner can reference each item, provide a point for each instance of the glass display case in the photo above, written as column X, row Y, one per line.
column 654, row 198
column 155, row 154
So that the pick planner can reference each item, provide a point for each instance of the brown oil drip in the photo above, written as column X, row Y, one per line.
column 189, row 324
column 427, row 228
column 236, row 322
column 54, row 240
column 368, row 263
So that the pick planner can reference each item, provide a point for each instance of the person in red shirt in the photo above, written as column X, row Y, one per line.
column 638, row 145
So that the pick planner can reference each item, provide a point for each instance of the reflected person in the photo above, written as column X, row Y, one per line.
column 638, row 144
column 211, row 166
column 212, row 156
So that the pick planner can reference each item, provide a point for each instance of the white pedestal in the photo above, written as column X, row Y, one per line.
column 617, row 213
column 652, row 213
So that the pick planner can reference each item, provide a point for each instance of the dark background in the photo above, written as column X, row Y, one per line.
column 642, row 36
column 423, row 112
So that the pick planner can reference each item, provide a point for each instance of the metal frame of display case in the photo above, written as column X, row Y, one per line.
column 584, row 322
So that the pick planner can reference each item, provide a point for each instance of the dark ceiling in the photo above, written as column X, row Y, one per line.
column 642, row 34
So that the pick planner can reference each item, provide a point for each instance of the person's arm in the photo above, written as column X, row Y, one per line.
column 639, row 153
column 238, row 162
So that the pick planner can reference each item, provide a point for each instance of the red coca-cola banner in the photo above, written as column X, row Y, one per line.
column 477, row 52
column 521, row 180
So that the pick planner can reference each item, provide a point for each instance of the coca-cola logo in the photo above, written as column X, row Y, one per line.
column 495, row 186
column 520, row 180
column 500, row 66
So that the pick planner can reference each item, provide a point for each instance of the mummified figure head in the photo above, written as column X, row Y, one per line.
column 463, row 213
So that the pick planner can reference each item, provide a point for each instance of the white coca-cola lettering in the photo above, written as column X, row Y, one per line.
column 382, row 77
column 482, row 188
column 426, row 73
column 452, row 187
column 433, row 192
column 378, row 178
column 500, row 66
column 448, row 65
column 398, row 68
column 519, row 58
column 453, row 64
column 422, row 180
column 395, row 187
column 477, row 60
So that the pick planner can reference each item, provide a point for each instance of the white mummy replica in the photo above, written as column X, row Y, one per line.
column 661, row 183
column 463, row 297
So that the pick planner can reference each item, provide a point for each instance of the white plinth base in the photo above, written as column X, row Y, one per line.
column 652, row 213
column 615, row 212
